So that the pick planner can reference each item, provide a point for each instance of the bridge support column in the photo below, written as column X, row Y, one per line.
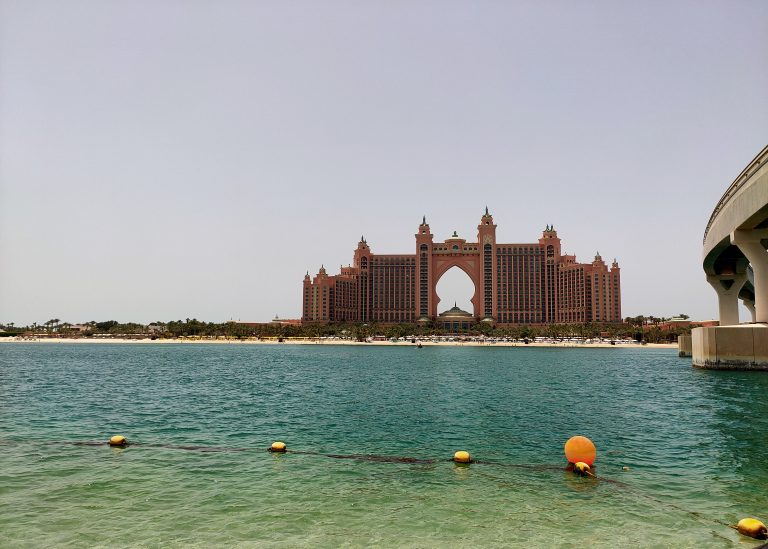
column 728, row 288
column 750, row 305
column 750, row 245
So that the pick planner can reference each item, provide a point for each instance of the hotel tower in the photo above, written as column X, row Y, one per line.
column 514, row 283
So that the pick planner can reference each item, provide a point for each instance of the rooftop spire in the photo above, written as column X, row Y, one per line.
column 486, row 209
column 424, row 220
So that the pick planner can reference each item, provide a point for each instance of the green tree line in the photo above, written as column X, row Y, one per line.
column 641, row 328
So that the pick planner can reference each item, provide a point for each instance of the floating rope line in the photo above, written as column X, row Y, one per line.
column 694, row 514
column 164, row 446
column 382, row 459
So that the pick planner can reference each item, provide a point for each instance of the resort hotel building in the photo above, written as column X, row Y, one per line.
column 514, row 283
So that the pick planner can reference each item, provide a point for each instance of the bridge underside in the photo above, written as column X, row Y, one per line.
column 735, row 259
column 736, row 265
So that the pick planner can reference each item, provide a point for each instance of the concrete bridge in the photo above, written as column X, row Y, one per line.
column 736, row 265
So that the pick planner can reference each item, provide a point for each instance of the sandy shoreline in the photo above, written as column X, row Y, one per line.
column 308, row 341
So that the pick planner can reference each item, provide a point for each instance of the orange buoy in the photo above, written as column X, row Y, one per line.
column 462, row 457
column 580, row 448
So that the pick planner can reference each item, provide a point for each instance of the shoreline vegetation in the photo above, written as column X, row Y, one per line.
column 424, row 342
column 638, row 330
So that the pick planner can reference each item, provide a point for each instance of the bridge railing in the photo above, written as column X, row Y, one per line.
column 737, row 184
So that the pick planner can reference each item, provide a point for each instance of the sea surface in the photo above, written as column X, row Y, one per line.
column 201, row 416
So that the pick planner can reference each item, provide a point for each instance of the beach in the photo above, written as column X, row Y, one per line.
column 329, row 341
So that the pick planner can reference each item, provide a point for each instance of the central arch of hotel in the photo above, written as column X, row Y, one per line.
column 476, row 259
column 469, row 264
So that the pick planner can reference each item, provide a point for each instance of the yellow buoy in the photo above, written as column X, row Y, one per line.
column 462, row 457
column 581, row 468
column 278, row 447
column 752, row 528
column 580, row 448
column 118, row 440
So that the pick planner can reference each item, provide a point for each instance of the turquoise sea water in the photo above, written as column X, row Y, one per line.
column 694, row 441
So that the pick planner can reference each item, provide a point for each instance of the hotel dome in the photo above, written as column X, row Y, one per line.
column 455, row 319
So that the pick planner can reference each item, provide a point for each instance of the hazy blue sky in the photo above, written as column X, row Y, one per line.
column 163, row 160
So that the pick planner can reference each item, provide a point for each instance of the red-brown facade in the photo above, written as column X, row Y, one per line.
column 514, row 283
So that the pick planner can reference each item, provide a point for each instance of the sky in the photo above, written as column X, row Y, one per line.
column 190, row 159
